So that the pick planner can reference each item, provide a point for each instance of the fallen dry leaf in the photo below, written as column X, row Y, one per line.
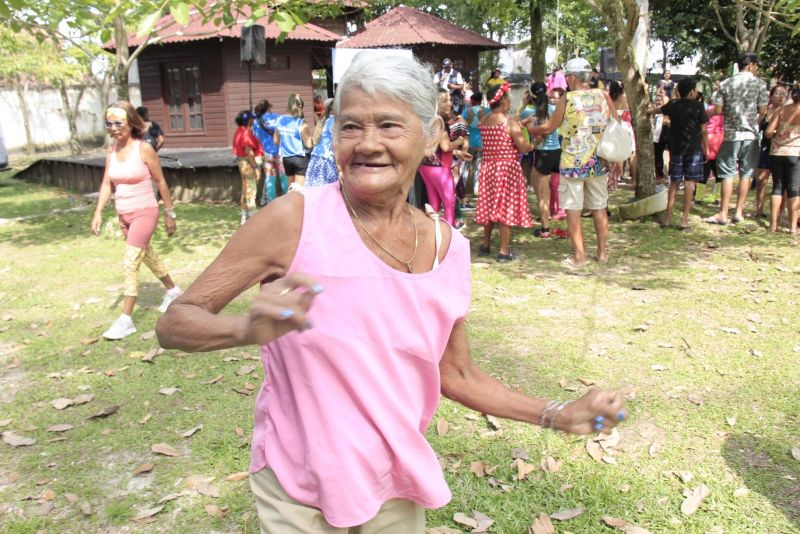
column 586, row 381
column 551, row 464
column 71, row 498
column 5, row 422
column 479, row 469
column 731, row 421
column 214, row 380
column 685, row 476
column 86, row 508
column 484, row 522
column 442, row 530
column 741, row 492
column 45, row 508
column 245, row 370
column 633, row 529
column 169, row 391
column 170, row 497
column 48, row 495
column 653, row 450
column 494, row 421
column 235, row 477
column 83, row 398
column 609, row 440
column 442, row 427
column 90, row 340
column 16, row 440
column 205, row 488
column 796, row 453
column 216, row 511
column 143, row 469
column 463, row 519
column 165, row 449
column 522, row 454
column 145, row 515
column 105, row 412
column 614, row 522
column 695, row 499
column 150, row 334
column 730, row 330
column 566, row 515
column 696, row 398
column 60, row 404
column 192, row 431
column 152, row 353
column 523, row 469
column 542, row 525
column 145, row 419
column 62, row 427
column 595, row 450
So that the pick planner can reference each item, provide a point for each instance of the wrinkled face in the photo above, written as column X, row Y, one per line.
column 379, row 143
column 117, row 123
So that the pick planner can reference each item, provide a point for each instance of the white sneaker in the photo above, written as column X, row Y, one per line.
column 120, row 328
column 168, row 298
column 295, row 187
column 243, row 220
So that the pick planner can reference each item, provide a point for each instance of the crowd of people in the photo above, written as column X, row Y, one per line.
column 358, row 286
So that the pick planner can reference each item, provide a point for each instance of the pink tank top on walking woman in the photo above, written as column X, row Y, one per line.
column 341, row 416
column 132, row 180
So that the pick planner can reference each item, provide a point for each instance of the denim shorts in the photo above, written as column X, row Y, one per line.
column 744, row 153
column 686, row 167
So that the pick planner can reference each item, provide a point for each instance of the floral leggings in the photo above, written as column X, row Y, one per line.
column 249, row 175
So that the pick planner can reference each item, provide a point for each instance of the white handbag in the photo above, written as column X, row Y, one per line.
column 616, row 144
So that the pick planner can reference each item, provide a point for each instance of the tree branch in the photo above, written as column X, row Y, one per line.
column 715, row 6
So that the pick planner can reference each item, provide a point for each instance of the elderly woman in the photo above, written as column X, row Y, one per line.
column 361, row 322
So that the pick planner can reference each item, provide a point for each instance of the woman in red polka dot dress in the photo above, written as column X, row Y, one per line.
column 503, row 196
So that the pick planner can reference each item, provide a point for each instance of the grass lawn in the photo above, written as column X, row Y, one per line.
column 699, row 329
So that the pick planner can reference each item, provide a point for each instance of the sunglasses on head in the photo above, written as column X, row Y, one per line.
column 115, row 124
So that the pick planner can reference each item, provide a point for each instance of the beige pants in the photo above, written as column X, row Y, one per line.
column 590, row 193
column 280, row 514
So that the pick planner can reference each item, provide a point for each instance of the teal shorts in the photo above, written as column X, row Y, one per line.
column 741, row 155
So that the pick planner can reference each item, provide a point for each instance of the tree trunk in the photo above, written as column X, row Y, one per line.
column 26, row 118
column 75, row 147
column 538, row 65
column 123, row 61
column 624, row 24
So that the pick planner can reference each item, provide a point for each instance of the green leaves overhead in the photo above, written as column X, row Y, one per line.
column 147, row 24
column 180, row 12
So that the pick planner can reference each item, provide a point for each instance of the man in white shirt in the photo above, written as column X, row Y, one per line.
column 450, row 79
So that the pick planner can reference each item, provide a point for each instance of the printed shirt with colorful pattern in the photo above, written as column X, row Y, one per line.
column 740, row 98
column 585, row 118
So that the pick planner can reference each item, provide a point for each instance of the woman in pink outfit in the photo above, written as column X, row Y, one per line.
column 360, row 318
column 132, row 167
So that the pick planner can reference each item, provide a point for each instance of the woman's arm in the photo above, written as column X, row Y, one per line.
column 515, row 131
column 306, row 135
column 553, row 122
column 150, row 159
column 193, row 322
column 466, row 384
column 772, row 127
column 102, row 200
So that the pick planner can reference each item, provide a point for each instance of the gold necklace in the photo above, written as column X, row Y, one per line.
column 372, row 237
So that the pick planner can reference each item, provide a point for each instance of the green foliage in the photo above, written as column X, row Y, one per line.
column 25, row 56
column 579, row 28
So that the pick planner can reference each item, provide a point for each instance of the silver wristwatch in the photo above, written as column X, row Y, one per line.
column 170, row 214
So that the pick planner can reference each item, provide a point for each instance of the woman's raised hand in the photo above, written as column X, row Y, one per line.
column 171, row 225
column 597, row 411
column 281, row 307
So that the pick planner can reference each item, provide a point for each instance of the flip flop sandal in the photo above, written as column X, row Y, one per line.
column 570, row 264
column 543, row 233
column 714, row 220
column 563, row 234
column 483, row 251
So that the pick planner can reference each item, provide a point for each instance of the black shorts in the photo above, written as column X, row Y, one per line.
column 295, row 165
column 546, row 161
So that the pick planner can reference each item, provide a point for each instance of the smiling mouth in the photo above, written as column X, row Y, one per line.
column 370, row 165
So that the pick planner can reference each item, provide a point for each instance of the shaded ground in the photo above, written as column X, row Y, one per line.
column 698, row 327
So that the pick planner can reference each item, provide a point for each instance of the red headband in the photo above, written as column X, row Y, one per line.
column 500, row 92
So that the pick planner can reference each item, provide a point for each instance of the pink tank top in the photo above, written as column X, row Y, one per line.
column 341, row 415
column 132, row 180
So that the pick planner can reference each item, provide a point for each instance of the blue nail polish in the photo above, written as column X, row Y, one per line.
column 317, row 289
column 620, row 416
column 598, row 426
column 599, row 420
column 286, row 313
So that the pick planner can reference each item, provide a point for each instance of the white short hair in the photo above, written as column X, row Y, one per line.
column 395, row 76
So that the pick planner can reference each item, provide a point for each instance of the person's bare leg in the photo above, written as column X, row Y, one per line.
column 775, row 211
column 761, row 191
column 794, row 204
column 688, row 195
column 633, row 171
column 576, row 236
column 601, row 229
column 725, row 198
column 505, row 237
column 167, row 281
column 741, row 195
column 487, row 235
column 673, row 192
column 541, row 183
column 127, row 305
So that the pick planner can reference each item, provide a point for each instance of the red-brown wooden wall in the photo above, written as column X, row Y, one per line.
column 224, row 86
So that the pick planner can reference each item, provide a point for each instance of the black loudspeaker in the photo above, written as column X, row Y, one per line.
column 254, row 45
column 608, row 60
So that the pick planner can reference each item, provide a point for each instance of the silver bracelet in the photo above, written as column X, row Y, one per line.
column 550, row 412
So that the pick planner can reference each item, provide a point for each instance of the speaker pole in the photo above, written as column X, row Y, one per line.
column 250, row 83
